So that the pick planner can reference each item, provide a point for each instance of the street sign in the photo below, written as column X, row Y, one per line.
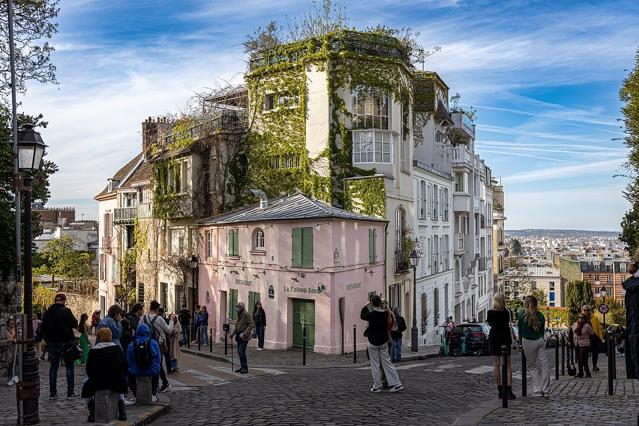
column 603, row 308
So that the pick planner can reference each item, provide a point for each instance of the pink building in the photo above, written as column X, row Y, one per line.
column 302, row 259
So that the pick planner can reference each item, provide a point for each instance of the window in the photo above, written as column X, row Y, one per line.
column 423, row 201
column 440, row 211
column 400, row 227
column 209, row 244
column 439, row 137
column 288, row 100
column 372, row 147
column 394, row 295
column 370, row 108
column 596, row 277
column 193, row 240
column 302, row 247
column 403, row 153
column 551, row 285
column 436, row 306
column 102, row 267
column 286, row 162
column 435, row 256
column 446, row 206
column 609, row 279
column 269, row 104
column 459, row 182
column 233, row 242
column 258, row 240
column 130, row 237
column 429, row 253
column 372, row 245
column 232, row 303
column 424, row 315
column 141, row 293
column 177, row 241
column 435, row 203
column 551, row 298
column 446, row 253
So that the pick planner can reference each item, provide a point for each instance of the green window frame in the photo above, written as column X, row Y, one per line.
column 302, row 247
column 372, row 245
column 232, row 303
column 233, row 242
column 254, row 297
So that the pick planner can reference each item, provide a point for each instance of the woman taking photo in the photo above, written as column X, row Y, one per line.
column 531, row 325
column 500, row 334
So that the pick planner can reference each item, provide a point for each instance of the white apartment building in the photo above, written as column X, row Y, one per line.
column 472, row 202
column 548, row 279
column 499, row 244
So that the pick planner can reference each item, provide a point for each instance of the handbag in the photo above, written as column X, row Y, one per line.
column 72, row 351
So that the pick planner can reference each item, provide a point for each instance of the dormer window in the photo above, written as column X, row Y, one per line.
column 370, row 108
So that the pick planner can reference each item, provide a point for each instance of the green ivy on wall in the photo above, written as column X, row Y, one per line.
column 366, row 196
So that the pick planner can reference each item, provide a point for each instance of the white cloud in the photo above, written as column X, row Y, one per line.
column 565, row 172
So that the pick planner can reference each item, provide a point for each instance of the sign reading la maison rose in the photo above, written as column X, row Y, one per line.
column 353, row 286
column 305, row 290
column 244, row 282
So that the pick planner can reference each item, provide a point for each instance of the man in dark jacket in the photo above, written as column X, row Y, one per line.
column 631, row 286
column 396, row 336
column 137, row 311
column 377, row 334
column 58, row 324
column 184, row 317
column 106, row 370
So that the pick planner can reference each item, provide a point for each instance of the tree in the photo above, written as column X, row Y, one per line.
column 578, row 294
column 515, row 247
column 542, row 300
column 34, row 26
column 629, row 95
column 60, row 259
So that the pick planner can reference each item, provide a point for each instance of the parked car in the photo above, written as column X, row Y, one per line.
column 469, row 338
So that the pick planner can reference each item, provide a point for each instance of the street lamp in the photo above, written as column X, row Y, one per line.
column 604, row 292
column 414, row 260
column 30, row 153
column 193, row 266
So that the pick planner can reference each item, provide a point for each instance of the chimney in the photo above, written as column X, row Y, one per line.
column 263, row 198
column 150, row 132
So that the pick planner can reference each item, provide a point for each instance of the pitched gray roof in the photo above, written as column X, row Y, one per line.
column 293, row 207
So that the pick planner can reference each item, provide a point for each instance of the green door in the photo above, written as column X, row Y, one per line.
column 303, row 314
column 232, row 303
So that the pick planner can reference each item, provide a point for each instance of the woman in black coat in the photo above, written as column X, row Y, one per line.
column 106, row 370
column 631, row 286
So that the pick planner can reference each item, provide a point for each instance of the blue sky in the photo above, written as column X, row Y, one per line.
column 543, row 76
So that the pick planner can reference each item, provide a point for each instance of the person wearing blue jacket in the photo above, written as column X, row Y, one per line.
column 144, row 359
column 203, row 326
column 112, row 321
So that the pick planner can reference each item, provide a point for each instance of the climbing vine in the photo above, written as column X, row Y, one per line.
column 366, row 196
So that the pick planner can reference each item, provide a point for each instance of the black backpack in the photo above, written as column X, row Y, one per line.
column 142, row 353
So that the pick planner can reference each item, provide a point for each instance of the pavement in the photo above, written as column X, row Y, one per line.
column 71, row 412
column 290, row 358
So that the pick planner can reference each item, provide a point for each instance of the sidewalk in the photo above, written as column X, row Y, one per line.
column 572, row 401
column 71, row 412
column 292, row 358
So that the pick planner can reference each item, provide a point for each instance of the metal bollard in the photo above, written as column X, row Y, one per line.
column 563, row 354
column 611, row 387
column 199, row 341
column 556, row 356
column 524, row 374
column 504, row 376
column 188, row 336
column 354, row 344
column 211, row 340
column 304, row 345
column 614, row 354
column 226, row 343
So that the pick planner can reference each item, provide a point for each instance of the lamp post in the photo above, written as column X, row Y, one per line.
column 414, row 260
column 30, row 152
column 193, row 266
column 604, row 292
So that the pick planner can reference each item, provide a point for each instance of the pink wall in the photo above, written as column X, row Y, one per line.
column 346, row 275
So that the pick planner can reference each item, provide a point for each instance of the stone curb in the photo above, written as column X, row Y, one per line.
column 148, row 416
column 475, row 416
column 416, row 357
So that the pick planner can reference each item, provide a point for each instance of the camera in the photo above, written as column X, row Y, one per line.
column 226, row 327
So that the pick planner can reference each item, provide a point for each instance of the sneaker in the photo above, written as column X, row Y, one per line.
column 154, row 398
column 595, row 368
column 73, row 396
column 54, row 397
column 396, row 388
column 374, row 389
column 130, row 401
column 537, row 395
column 11, row 382
column 260, row 349
column 165, row 388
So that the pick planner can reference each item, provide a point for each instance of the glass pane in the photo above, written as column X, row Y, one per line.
column 386, row 158
column 378, row 157
column 384, row 123
column 377, row 122
column 369, row 156
column 25, row 157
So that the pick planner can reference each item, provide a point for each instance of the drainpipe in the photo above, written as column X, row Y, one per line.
column 385, row 258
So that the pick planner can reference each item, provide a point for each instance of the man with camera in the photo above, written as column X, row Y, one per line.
column 243, row 328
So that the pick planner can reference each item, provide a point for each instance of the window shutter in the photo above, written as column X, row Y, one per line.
column 296, row 250
column 230, row 242
column 236, row 242
column 372, row 245
column 307, row 247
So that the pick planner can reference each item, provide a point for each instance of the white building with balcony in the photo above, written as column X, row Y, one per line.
column 473, row 216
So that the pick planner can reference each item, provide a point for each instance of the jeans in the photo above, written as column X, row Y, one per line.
column 582, row 360
column 204, row 335
column 184, row 334
column 379, row 355
column 535, row 351
column 259, row 331
column 396, row 350
column 241, row 351
column 155, row 380
column 55, row 355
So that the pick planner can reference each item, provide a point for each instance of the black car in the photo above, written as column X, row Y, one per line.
column 469, row 339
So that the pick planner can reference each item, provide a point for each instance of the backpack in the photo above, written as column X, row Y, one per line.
column 154, row 333
column 142, row 354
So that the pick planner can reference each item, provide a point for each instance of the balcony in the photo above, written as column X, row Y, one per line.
column 401, row 264
column 462, row 156
column 124, row 215
column 461, row 202
column 464, row 122
column 459, row 244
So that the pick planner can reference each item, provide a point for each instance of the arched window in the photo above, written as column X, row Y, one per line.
column 436, row 306
column 258, row 239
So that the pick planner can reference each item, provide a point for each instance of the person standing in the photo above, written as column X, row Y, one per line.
column 174, row 347
column 377, row 334
column 8, row 348
column 203, row 325
column 58, row 324
column 499, row 318
column 243, row 328
column 112, row 321
column 158, row 329
column 531, row 325
column 144, row 360
column 127, row 334
column 449, row 326
column 83, row 328
column 597, row 337
column 134, row 316
column 106, row 370
column 259, row 318
column 194, row 326
column 631, row 302
column 582, row 335
column 184, row 316
column 399, row 326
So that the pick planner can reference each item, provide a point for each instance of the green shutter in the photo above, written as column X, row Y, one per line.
column 297, row 247
column 254, row 297
column 307, row 247
column 372, row 245
column 230, row 242
column 232, row 303
column 236, row 242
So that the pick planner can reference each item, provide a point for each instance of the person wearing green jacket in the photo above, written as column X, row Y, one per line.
column 83, row 328
column 531, row 325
